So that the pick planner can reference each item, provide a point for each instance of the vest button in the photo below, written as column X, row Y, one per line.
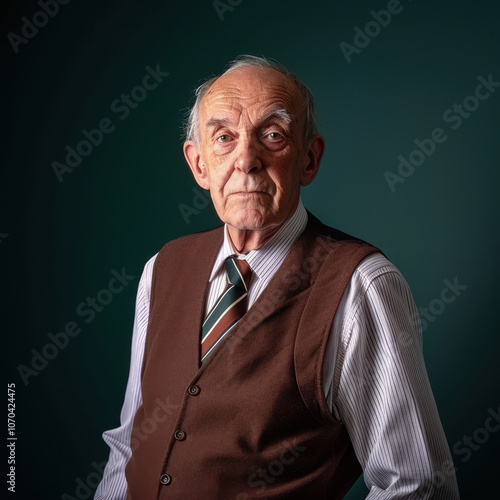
column 180, row 435
column 165, row 479
column 194, row 390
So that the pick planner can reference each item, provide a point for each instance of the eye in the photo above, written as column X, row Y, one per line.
column 223, row 138
column 274, row 136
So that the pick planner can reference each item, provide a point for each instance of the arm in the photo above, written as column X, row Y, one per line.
column 384, row 397
column 113, row 485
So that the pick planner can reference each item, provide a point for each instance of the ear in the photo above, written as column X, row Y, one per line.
column 196, row 164
column 313, row 160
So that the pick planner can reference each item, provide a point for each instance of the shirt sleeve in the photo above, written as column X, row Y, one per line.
column 113, row 485
column 383, row 394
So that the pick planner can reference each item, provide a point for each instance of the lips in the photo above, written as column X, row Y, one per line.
column 247, row 192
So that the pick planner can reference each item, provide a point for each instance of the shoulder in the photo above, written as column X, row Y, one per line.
column 341, row 253
column 378, row 289
column 188, row 248
column 377, row 278
column 373, row 268
column 373, row 279
column 378, row 308
column 337, row 243
column 177, row 246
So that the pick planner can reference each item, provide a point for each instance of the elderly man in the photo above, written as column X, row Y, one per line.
column 272, row 357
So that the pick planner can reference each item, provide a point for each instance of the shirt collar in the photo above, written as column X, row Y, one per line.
column 266, row 260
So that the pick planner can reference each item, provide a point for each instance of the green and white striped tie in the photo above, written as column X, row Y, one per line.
column 230, row 307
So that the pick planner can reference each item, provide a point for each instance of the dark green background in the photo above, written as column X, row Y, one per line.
column 122, row 203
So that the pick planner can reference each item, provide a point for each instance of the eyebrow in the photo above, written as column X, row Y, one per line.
column 281, row 114
column 214, row 122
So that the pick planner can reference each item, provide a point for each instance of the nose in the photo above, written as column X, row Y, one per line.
column 248, row 159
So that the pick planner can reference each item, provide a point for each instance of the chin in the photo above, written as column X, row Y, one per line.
column 250, row 220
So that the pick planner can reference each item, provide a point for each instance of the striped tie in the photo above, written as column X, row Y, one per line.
column 230, row 307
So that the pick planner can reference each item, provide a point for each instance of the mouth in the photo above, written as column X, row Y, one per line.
column 247, row 193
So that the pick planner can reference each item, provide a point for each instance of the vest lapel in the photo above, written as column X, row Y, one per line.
column 291, row 279
column 181, row 296
column 196, row 292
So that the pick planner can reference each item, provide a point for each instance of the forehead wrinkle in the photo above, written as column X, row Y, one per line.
column 235, row 85
column 235, row 95
column 221, row 115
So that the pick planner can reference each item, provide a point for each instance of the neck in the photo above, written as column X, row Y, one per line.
column 245, row 240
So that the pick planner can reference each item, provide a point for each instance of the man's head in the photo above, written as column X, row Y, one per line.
column 252, row 141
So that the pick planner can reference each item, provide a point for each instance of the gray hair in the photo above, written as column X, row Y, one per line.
column 192, row 122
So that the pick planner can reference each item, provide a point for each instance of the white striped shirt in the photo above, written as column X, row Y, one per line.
column 374, row 375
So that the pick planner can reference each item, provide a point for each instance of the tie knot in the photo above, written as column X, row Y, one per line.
column 239, row 272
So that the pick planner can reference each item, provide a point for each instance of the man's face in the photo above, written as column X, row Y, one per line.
column 251, row 154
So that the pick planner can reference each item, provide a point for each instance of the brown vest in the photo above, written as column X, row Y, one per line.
column 252, row 421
